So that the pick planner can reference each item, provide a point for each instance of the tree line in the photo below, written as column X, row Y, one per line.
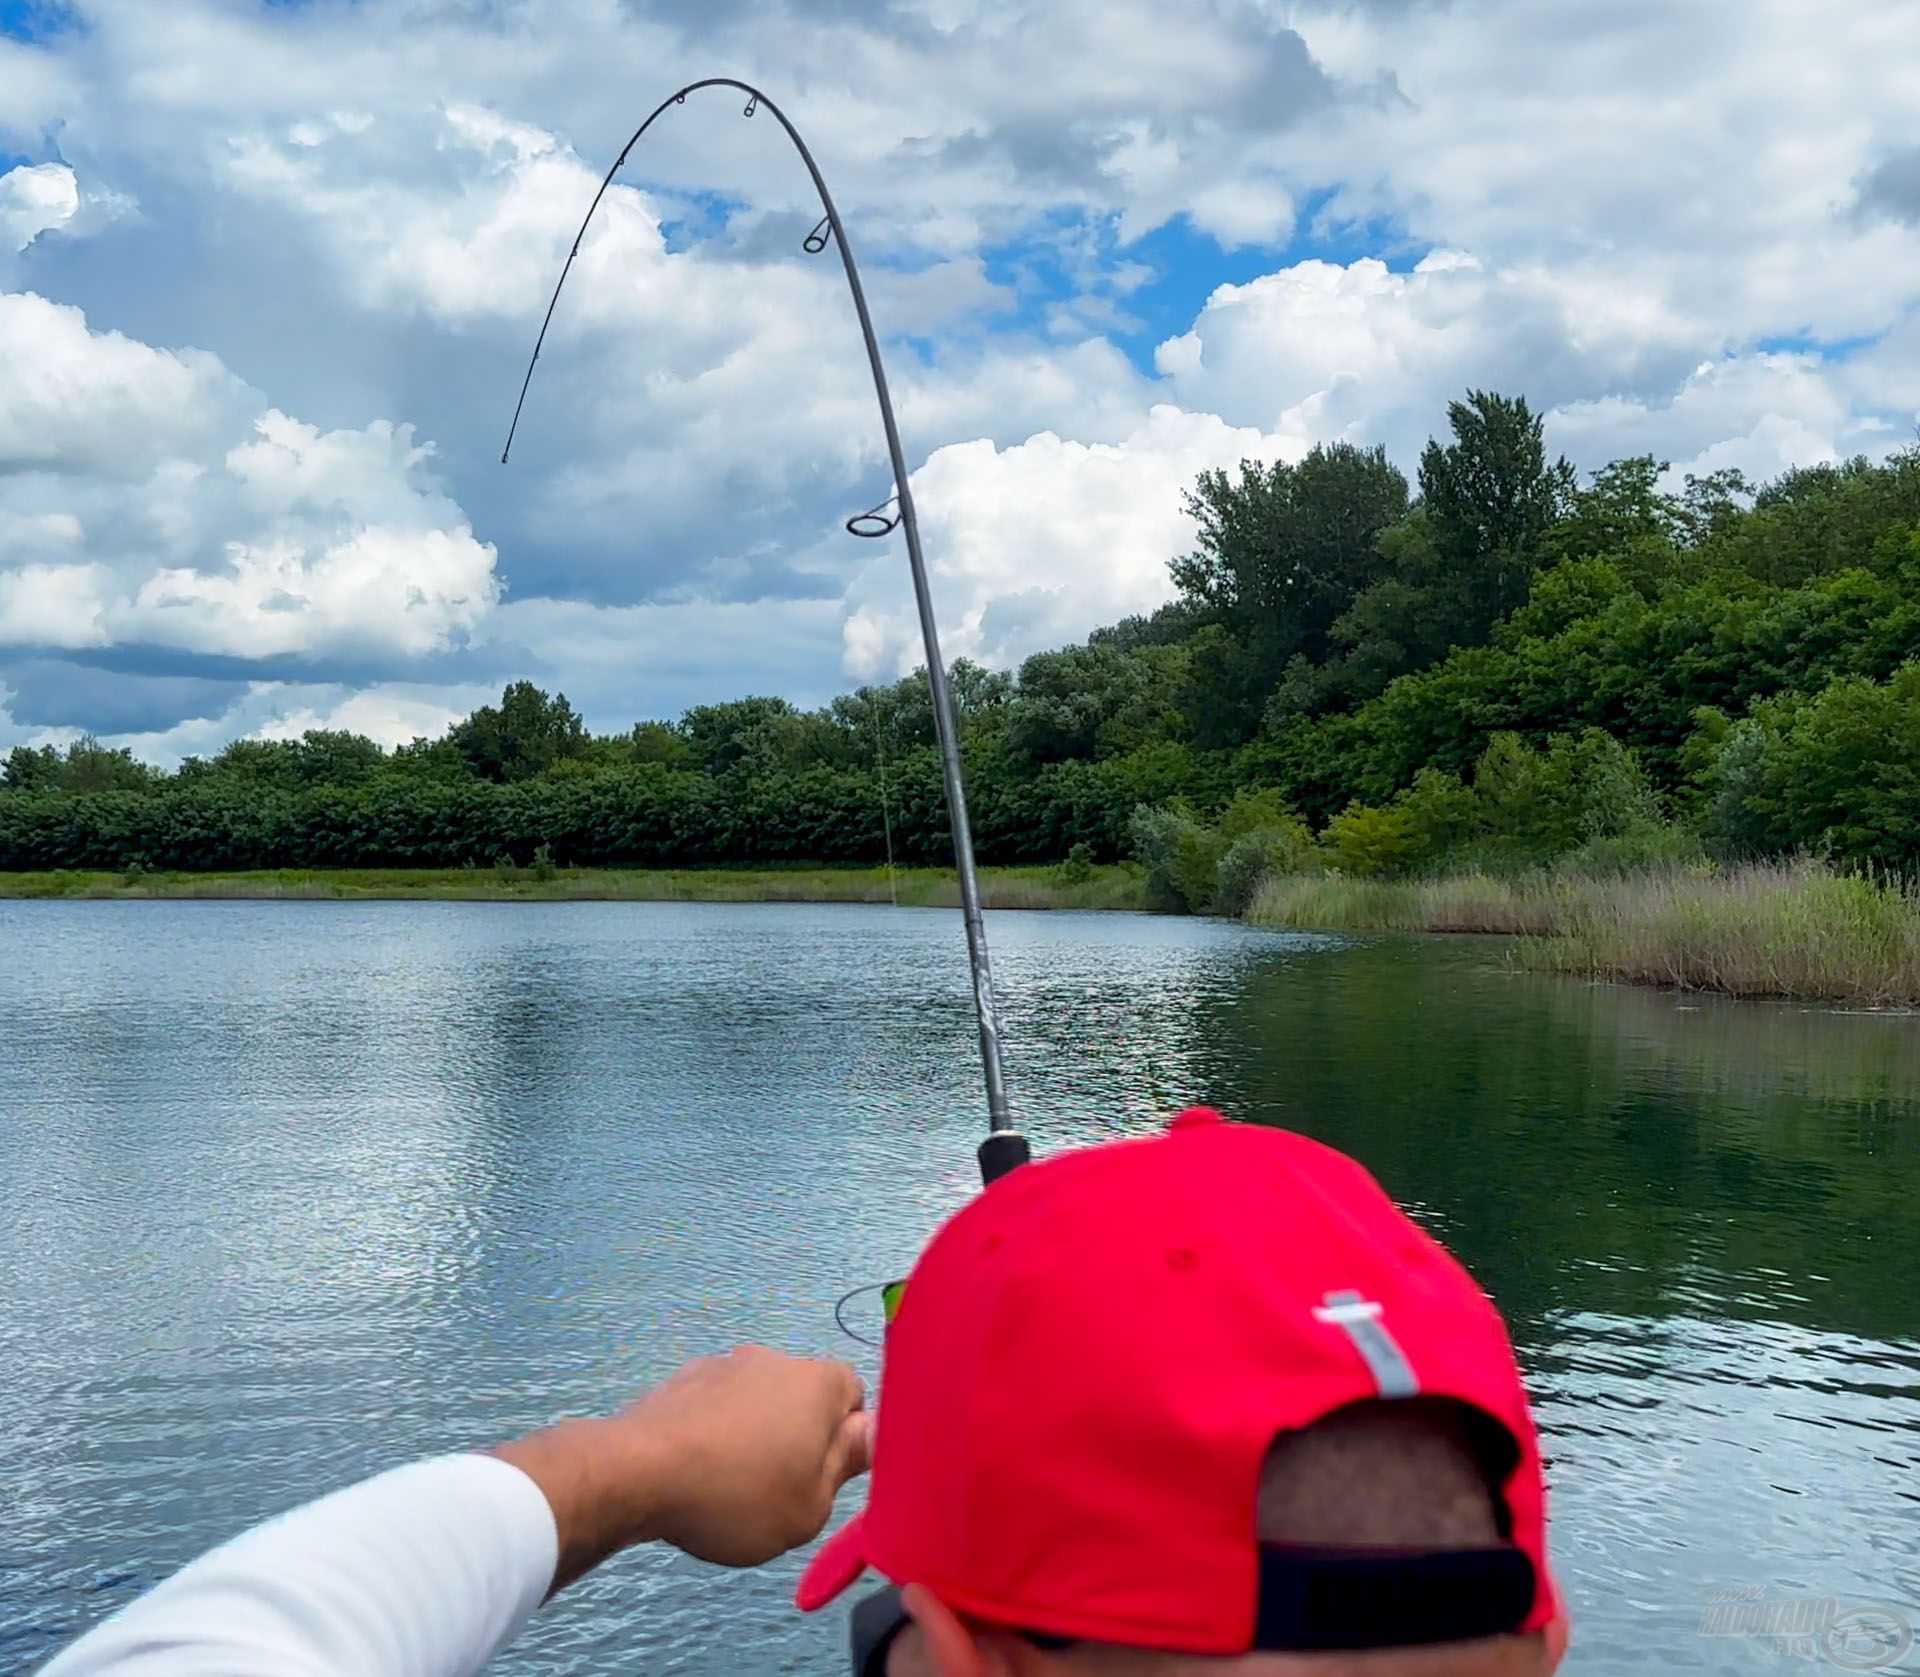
column 1496, row 664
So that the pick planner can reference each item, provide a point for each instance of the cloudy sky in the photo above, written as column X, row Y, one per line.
column 269, row 274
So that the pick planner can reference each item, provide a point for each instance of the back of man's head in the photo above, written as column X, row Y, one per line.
column 1384, row 1476
column 1207, row 1403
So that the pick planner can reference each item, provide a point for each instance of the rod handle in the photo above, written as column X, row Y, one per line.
column 1002, row 1151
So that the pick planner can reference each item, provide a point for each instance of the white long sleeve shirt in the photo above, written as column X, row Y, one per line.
column 427, row 1571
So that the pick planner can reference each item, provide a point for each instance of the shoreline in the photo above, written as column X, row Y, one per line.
column 1783, row 932
column 1115, row 887
column 1766, row 932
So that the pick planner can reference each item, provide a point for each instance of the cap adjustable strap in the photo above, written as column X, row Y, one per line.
column 1359, row 1320
column 1370, row 1598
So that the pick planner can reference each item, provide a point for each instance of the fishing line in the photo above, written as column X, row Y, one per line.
column 840, row 1319
column 886, row 813
column 1004, row 1147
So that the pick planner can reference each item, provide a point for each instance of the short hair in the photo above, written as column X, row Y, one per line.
column 1397, row 1473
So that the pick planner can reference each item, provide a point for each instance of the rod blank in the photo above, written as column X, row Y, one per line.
column 1000, row 1152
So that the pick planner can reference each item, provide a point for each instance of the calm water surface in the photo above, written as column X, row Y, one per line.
column 292, row 1192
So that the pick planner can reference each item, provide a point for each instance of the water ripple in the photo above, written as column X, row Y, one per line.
column 290, row 1193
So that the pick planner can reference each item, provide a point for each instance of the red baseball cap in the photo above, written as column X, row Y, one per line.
column 1092, row 1359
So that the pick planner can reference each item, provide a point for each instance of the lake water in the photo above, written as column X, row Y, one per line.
column 292, row 1192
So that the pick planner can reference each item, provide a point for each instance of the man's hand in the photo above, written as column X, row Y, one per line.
column 735, row 1459
column 755, row 1445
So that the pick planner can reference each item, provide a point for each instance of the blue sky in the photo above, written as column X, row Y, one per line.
column 33, row 20
column 268, row 275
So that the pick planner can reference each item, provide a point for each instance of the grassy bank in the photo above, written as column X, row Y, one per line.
column 1043, row 887
column 1797, row 931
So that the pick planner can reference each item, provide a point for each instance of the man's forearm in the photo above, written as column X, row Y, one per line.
column 600, row 1483
column 430, row 1570
column 427, row 1571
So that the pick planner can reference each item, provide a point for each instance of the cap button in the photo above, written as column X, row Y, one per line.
column 1195, row 1117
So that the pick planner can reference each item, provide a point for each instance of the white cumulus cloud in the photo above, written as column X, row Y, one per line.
column 1036, row 544
column 33, row 198
column 1326, row 350
column 1653, row 220
column 391, row 713
column 388, row 715
column 99, row 404
column 150, row 499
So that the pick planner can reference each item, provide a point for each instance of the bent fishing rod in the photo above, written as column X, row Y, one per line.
column 1004, row 1147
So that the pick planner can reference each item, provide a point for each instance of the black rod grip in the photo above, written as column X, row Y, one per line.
column 1001, row 1152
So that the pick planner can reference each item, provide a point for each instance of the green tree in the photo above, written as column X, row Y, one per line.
column 1522, row 800
column 85, row 766
column 1094, row 701
column 1625, row 518
column 1492, row 489
column 1820, row 520
column 1582, row 788
column 1264, row 839
column 1180, row 855
column 1222, row 695
column 1369, row 842
column 659, row 742
column 1465, row 557
column 1283, row 549
column 1281, row 553
column 423, row 760
column 1712, row 505
column 1169, row 625
column 525, row 734
column 977, row 691
column 1442, row 812
column 1835, row 772
column 32, row 768
column 256, row 762
column 320, row 757
column 763, row 736
column 886, row 722
column 1741, row 817
column 1405, row 621
column 1491, row 496
column 336, row 757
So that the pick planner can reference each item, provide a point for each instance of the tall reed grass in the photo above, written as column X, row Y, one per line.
column 1527, row 904
column 1792, row 929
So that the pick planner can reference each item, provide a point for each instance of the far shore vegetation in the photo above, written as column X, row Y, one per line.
column 1069, row 886
column 1662, row 731
column 1795, row 931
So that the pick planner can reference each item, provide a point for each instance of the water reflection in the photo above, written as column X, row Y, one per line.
column 290, row 1192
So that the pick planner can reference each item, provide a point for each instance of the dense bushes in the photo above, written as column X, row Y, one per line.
column 637, row 817
column 1203, row 866
column 643, row 816
column 1502, row 669
column 1580, row 797
column 1836, row 773
column 1640, row 670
